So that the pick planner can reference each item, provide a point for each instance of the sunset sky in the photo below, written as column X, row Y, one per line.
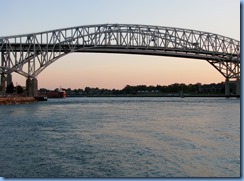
column 79, row 70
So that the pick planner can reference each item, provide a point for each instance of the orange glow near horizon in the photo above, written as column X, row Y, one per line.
column 116, row 71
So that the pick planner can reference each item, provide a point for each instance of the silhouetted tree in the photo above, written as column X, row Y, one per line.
column 19, row 89
column 88, row 90
column 10, row 88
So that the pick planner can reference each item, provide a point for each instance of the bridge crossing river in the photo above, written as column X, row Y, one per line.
column 30, row 54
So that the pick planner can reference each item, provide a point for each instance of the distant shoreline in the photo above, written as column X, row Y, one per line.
column 28, row 100
column 70, row 96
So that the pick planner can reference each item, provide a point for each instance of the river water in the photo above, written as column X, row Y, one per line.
column 121, row 137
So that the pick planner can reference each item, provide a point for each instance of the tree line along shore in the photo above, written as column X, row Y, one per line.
column 175, row 89
column 16, row 95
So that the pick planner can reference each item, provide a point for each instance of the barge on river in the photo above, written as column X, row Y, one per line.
column 60, row 93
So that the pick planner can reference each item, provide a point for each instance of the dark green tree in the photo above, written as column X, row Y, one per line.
column 10, row 88
column 87, row 90
column 19, row 89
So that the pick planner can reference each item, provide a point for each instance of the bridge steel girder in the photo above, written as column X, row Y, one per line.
column 30, row 54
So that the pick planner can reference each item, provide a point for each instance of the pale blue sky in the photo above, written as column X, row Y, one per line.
column 28, row 16
column 23, row 16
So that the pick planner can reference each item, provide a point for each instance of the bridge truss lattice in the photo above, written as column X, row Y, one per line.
column 30, row 54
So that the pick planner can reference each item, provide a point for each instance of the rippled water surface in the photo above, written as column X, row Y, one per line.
column 121, row 137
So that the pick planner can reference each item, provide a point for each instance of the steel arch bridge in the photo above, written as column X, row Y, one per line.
column 30, row 54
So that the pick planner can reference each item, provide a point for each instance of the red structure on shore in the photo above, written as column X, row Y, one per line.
column 60, row 93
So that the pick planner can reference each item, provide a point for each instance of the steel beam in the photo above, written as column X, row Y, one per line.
column 3, row 84
column 36, row 51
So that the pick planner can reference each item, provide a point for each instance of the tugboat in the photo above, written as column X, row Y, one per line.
column 59, row 93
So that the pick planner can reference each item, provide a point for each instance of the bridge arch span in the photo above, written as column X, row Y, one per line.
column 37, row 51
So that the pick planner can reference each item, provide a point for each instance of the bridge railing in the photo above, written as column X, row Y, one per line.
column 130, row 35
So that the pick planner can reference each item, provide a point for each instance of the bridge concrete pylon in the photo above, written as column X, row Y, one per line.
column 238, row 87
column 31, row 87
column 28, row 86
column 3, row 84
column 229, row 89
column 9, row 79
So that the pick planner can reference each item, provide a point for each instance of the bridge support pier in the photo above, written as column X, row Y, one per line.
column 238, row 87
column 31, row 87
column 9, row 79
column 232, row 87
column 227, row 87
column 3, row 84
column 28, row 87
column 34, row 83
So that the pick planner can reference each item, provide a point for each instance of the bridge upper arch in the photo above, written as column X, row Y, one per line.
column 39, row 50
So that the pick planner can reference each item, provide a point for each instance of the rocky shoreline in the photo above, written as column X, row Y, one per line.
column 16, row 100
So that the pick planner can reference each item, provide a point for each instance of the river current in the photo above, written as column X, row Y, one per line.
column 121, row 137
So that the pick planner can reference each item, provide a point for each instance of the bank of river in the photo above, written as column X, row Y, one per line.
column 16, row 100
